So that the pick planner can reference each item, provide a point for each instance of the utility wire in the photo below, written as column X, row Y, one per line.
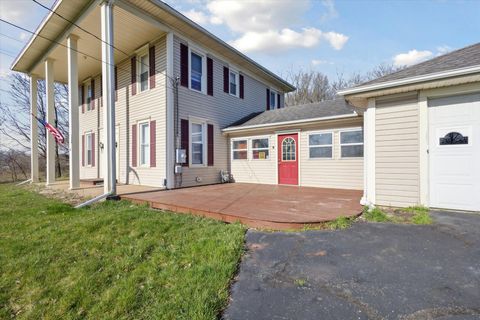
column 76, row 50
column 90, row 33
column 11, row 38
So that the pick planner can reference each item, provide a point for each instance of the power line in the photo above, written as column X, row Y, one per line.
column 7, row 54
column 11, row 38
column 90, row 33
column 76, row 50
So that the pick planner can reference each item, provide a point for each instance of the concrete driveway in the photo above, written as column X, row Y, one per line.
column 370, row 271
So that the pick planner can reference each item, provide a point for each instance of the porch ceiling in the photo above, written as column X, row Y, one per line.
column 130, row 33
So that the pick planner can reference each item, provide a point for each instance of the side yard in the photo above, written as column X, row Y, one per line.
column 114, row 260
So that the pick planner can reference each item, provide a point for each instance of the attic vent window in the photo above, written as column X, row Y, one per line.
column 453, row 138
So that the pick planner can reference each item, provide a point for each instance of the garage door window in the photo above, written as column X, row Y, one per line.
column 239, row 149
column 260, row 149
column 453, row 138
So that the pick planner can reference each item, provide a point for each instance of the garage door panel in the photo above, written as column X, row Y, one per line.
column 454, row 144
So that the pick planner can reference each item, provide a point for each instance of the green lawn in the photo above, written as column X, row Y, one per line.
column 112, row 261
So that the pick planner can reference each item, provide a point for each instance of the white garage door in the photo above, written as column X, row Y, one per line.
column 454, row 146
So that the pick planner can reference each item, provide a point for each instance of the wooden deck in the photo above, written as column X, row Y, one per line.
column 257, row 205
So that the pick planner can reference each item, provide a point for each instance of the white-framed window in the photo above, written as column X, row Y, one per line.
column 233, row 83
column 89, row 149
column 89, row 95
column 197, row 143
column 143, row 70
column 289, row 149
column 144, row 143
column 197, row 70
column 351, row 143
column 273, row 99
column 260, row 148
column 320, row 145
column 240, row 149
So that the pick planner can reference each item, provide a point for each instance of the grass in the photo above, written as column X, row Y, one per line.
column 340, row 223
column 114, row 260
column 411, row 215
column 375, row 215
column 421, row 215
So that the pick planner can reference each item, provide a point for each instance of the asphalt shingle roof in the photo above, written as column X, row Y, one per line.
column 461, row 58
column 300, row 112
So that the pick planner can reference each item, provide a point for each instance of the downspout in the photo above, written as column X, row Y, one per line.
column 176, row 115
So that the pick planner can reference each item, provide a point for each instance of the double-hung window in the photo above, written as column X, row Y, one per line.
column 273, row 99
column 89, row 95
column 144, row 137
column 197, row 140
column 89, row 147
column 320, row 145
column 143, row 68
column 233, row 83
column 239, row 149
column 260, row 149
column 351, row 143
column 197, row 71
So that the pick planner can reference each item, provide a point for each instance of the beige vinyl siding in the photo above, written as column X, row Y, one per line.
column 397, row 153
column 148, row 105
column 256, row 171
column 221, row 110
column 341, row 173
column 346, row 173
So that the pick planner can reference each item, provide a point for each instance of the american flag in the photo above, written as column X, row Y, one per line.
column 54, row 131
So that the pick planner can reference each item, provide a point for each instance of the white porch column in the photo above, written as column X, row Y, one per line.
column 51, row 120
column 33, row 129
column 73, row 112
column 109, row 176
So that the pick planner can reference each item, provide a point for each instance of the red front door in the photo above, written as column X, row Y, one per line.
column 288, row 159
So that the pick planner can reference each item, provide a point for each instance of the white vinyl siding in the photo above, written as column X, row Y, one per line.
column 397, row 153
column 150, row 104
column 333, row 172
column 256, row 171
column 221, row 110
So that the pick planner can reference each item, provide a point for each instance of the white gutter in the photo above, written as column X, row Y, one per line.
column 292, row 122
column 411, row 80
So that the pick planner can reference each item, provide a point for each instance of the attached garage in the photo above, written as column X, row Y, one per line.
column 454, row 140
column 422, row 133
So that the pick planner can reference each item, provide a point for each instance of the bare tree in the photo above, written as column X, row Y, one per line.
column 314, row 86
column 15, row 116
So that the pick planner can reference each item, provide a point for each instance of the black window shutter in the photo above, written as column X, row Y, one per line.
column 268, row 99
column 151, row 65
column 210, row 76
column 210, row 139
column 133, row 79
column 278, row 100
column 116, row 83
column 242, row 88
column 226, row 73
column 184, row 139
column 183, row 65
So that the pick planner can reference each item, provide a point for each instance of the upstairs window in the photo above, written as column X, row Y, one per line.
column 143, row 68
column 89, row 96
column 351, row 144
column 273, row 99
column 233, row 83
column 196, row 71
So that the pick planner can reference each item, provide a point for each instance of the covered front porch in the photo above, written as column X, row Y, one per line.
column 257, row 205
